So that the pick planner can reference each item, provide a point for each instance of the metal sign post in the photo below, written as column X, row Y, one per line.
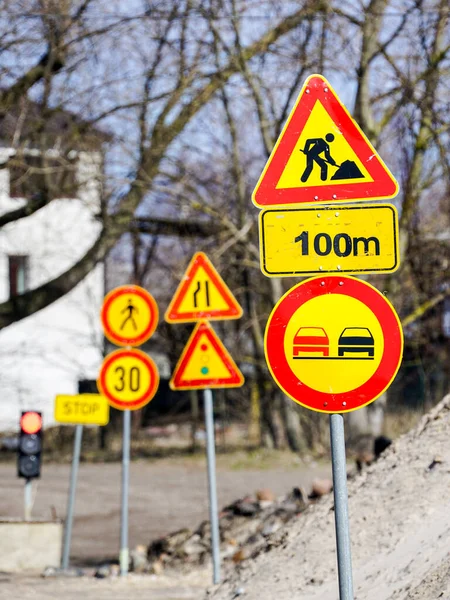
column 124, row 552
column 128, row 378
column 72, row 492
column 27, row 498
column 205, row 362
column 212, row 488
column 338, row 461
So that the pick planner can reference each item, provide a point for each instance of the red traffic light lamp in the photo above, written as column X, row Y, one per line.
column 31, row 422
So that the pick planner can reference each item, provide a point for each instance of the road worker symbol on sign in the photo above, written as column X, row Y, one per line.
column 322, row 156
column 313, row 149
column 129, row 315
column 333, row 343
column 317, row 150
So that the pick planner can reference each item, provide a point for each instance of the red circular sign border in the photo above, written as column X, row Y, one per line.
column 274, row 341
column 148, row 299
column 148, row 394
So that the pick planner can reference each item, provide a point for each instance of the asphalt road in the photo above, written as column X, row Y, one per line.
column 165, row 495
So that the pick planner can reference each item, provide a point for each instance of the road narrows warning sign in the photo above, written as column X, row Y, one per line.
column 333, row 343
column 202, row 294
column 322, row 155
column 205, row 363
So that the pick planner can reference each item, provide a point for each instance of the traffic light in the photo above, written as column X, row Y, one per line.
column 30, row 444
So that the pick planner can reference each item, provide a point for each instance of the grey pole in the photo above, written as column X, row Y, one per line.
column 124, row 552
column 27, row 500
column 72, row 492
column 338, row 460
column 212, row 488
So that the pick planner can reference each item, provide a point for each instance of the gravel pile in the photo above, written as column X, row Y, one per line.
column 399, row 526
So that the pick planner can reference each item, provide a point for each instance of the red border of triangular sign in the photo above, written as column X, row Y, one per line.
column 177, row 382
column 233, row 310
column 317, row 88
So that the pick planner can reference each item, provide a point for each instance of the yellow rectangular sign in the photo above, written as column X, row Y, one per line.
column 329, row 239
column 82, row 409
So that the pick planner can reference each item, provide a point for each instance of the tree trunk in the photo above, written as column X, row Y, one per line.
column 291, row 421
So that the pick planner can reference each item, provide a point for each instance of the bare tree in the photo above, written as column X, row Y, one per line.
column 398, row 86
column 85, row 55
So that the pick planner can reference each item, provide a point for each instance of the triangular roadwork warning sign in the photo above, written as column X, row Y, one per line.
column 322, row 155
column 202, row 294
column 205, row 363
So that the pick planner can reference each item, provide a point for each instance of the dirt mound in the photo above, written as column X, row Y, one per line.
column 399, row 526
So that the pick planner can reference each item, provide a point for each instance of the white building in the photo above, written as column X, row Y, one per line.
column 49, row 352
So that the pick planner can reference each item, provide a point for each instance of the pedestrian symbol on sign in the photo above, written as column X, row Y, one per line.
column 131, row 309
column 129, row 315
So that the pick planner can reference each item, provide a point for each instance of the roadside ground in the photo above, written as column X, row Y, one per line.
column 165, row 495
column 132, row 587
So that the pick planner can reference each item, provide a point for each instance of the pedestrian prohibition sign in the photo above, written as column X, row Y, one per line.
column 128, row 378
column 333, row 343
column 129, row 315
column 322, row 155
column 202, row 294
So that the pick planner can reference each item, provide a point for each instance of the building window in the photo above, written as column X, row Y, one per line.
column 33, row 173
column 18, row 274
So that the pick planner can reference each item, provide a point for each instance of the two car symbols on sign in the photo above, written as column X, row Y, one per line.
column 353, row 340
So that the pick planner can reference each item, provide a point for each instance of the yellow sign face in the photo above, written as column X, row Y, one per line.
column 129, row 315
column 128, row 378
column 82, row 409
column 319, row 152
column 344, row 239
column 348, row 332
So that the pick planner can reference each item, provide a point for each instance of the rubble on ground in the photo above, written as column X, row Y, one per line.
column 245, row 528
column 248, row 527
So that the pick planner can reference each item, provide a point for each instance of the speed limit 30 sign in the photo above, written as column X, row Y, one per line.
column 128, row 379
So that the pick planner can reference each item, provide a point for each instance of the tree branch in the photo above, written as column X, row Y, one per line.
column 34, row 300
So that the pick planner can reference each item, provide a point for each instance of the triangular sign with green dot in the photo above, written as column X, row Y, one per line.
column 205, row 363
